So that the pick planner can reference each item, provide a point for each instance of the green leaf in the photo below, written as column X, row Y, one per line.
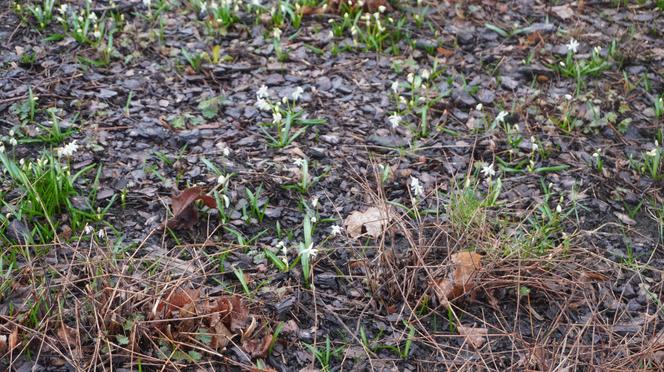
column 209, row 108
column 122, row 339
column 179, row 122
column 195, row 355
column 496, row 29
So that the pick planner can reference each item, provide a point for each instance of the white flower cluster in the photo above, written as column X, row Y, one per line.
column 67, row 150
column 263, row 103
column 416, row 187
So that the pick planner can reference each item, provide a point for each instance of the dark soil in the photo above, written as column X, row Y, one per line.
column 581, row 294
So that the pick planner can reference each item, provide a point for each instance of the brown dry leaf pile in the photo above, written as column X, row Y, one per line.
column 184, row 209
column 184, row 313
column 461, row 279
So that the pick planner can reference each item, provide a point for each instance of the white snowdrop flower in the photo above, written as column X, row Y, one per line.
column 425, row 74
column 559, row 209
column 262, row 92
column 403, row 100
column 63, row 9
column 284, row 99
column 313, row 219
column 596, row 153
column 382, row 8
column 297, row 93
column 221, row 180
column 227, row 201
column 88, row 229
column 2, row 148
column 533, row 144
column 479, row 107
column 101, row 234
column 68, row 150
column 298, row 162
column 96, row 34
column 276, row 33
column 395, row 86
column 12, row 133
column 652, row 153
column 281, row 245
column 92, row 17
column 335, row 230
column 416, row 187
column 597, row 50
column 568, row 97
column 314, row 202
column 13, row 142
column 309, row 250
column 256, row 2
column 330, row 35
column 147, row 3
column 573, row 45
column 276, row 117
column 501, row 116
column 488, row 171
column 21, row 162
column 354, row 30
column 263, row 105
column 410, row 77
column 225, row 150
column 395, row 120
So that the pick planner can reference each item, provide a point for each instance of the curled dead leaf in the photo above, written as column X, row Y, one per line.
column 461, row 279
column 184, row 209
column 257, row 347
column 373, row 221
column 183, row 301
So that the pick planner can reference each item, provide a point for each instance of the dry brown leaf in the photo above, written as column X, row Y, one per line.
column 564, row 12
column 221, row 336
column 447, row 53
column 373, row 220
column 3, row 344
column 257, row 347
column 13, row 339
column 444, row 289
column 183, row 207
column 180, row 300
column 461, row 279
column 239, row 314
column 476, row 337
column 68, row 337
column 592, row 276
column 466, row 265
